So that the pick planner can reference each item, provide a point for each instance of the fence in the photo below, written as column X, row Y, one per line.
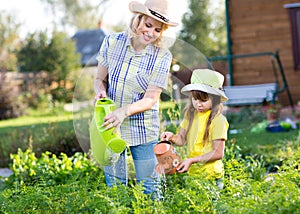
column 19, row 82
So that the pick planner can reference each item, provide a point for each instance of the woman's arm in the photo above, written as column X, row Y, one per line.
column 151, row 96
column 100, row 84
column 115, row 119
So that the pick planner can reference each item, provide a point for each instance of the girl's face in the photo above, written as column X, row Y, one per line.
column 202, row 105
column 149, row 31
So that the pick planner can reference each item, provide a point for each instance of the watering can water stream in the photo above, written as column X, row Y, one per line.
column 106, row 146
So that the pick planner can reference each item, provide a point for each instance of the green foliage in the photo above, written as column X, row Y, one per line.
column 62, row 94
column 35, row 46
column 38, row 100
column 245, row 117
column 171, row 114
column 76, row 14
column 204, row 29
column 268, row 195
column 49, row 169
column 9, row 28
column 268, row 147
column 84, row 90
column 57, row 55
column 52, row 184
column 61, row 57
column 61, row 183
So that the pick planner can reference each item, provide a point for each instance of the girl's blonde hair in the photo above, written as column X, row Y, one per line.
column 217, row 107
column 137, row 21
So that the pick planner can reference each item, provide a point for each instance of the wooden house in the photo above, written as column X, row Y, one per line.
column 264, row 26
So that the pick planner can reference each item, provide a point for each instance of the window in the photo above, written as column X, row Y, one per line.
column 294, row 13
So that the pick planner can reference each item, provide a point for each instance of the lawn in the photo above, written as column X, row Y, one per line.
column 41, row 130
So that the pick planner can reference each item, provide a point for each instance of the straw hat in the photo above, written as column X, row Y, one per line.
column 157, row 9
column 208, row 81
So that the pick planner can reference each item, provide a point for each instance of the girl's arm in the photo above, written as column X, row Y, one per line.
column 216, row 154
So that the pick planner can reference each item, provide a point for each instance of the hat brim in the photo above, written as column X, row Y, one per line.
column 137, row 7
column 202, row 87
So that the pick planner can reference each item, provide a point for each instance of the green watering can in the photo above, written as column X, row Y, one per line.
column 105, row 145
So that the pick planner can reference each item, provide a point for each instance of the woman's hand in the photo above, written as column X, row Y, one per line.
column 101, row 94
column 115, row 119
column 100, row 84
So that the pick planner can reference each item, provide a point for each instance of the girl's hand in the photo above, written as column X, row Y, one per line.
column 184, row 165
column 166, row 136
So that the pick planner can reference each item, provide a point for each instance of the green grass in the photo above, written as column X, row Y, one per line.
column 255, row 141
column 43, row 131
column 38, row 117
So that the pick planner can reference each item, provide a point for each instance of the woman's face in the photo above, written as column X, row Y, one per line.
column 202, row 105
column 149, row 31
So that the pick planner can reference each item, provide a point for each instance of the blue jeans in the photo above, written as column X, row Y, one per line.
column 144, row 161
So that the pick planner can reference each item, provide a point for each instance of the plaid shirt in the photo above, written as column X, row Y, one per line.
column 129, row 75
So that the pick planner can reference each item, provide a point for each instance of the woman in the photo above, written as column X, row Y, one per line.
column 133, row 69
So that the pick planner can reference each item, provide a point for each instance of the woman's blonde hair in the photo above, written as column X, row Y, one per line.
column 217, row 107
column 137, row 21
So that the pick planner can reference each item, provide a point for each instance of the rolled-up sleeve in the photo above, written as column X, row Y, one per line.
column 102, row 54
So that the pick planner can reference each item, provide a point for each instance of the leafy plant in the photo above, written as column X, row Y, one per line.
column 49, row 169
column 52, row 184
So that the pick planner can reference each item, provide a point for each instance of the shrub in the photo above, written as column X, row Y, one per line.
column 53, row 137
column 11, row 105
column 49, row 168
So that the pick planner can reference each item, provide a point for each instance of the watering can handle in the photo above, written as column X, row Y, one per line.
column 106, row 108
column 165, row 141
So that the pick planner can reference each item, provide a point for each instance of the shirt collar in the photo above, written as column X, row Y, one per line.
column 148, row 50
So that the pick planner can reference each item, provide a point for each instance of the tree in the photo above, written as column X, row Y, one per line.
column 79, row 14
column 35, row 45
column 60, row 57
column 57, row 54
column 203, row 29
column 8, row 41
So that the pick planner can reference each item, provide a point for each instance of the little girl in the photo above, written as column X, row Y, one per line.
column 204, row 127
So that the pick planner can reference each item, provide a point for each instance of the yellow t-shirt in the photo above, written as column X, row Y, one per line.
column 218, row 130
